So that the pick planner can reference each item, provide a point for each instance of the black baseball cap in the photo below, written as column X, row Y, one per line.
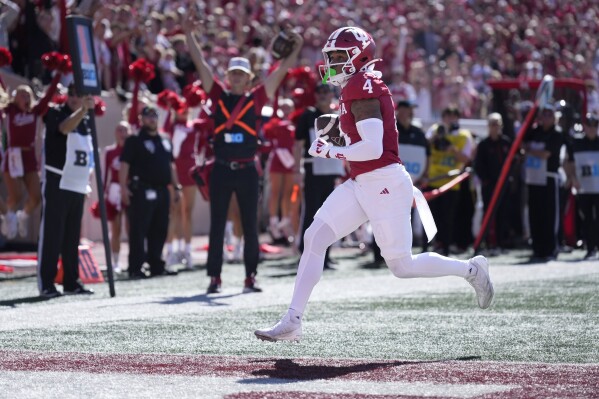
column 148, row 110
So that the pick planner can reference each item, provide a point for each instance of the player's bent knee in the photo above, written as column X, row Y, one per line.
column 403, row 267
column 319, row 236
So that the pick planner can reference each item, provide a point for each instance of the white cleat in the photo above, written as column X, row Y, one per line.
column 481, row 282
column 289, row 328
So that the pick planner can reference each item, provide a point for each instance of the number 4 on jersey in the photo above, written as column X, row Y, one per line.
column 368, row 86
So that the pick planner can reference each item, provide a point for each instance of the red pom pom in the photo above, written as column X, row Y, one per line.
column 99, row 107
column 167, row 99
column 180, row 106
column 141, row 71
column 59, row 99
column 65, row 64
column 5, row 57
column 94, row 209
column 194, row 94
column 111, row 210
column 51, row 60
column 55, row 61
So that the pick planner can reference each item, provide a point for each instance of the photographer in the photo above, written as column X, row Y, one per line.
column 451, row 148
column 236, row 111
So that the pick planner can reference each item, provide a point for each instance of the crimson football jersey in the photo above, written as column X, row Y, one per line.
column 365, row 86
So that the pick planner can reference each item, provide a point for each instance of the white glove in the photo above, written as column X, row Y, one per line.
column 320, row 148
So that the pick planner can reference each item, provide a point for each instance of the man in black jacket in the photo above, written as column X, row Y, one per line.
column 490, row 157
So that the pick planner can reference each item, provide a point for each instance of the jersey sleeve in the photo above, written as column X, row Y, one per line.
column 364, row 86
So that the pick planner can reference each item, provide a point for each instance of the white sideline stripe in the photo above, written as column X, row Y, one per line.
column 54, row 384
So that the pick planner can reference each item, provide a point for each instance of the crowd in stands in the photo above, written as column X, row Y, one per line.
column 436, row 53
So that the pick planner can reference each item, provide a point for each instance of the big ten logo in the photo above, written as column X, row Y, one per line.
column 590, row 170
column 413, row 168
column 448, row 161
column 533, row 162
column 235, row 138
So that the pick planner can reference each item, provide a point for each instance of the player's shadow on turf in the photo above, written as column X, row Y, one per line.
column 287, row 369
column 210, row 300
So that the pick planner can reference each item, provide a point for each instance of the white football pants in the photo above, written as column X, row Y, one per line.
column 383, row 197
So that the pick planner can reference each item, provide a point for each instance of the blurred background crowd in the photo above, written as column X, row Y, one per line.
column 436, row 53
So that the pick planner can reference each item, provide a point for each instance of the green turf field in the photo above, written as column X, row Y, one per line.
column 542, row 313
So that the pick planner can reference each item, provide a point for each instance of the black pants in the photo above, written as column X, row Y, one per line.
column 60, row 230
column 543, row 216
column 462, row 226
column 588, row 205
column 148, row 224
column 245, row 184
column 443, row 209
column 316, row 191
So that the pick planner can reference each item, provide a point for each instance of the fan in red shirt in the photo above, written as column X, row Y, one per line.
column 380, row 189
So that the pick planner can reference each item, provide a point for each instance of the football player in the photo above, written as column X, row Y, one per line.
column 380, row 189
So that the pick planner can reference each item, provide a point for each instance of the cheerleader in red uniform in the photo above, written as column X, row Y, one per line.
column 112, row 164
column 189, row 141
column 281, row 132
column 19, row 163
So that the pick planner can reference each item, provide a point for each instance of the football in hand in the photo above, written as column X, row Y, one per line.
column 327, row 127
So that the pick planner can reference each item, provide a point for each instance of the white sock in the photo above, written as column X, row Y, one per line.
column 181, row 245
column 188, row 247
column 169, row 248
column 317, row 239
column 115, row 258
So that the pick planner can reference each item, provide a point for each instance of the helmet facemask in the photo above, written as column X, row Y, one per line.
column 328, row 72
